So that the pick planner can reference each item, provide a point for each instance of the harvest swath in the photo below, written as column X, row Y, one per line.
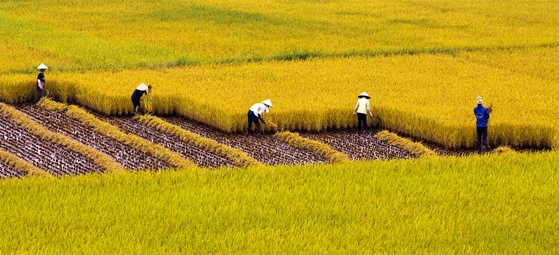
column 423, row 62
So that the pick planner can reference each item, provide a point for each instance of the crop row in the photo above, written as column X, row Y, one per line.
column 59, row 161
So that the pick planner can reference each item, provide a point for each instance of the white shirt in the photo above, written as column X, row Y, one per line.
column 258, row 109
column 362, row 106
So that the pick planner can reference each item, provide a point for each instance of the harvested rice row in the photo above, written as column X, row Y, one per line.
column 158, row 151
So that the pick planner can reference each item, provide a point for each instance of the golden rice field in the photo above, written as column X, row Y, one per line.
column 422, row 61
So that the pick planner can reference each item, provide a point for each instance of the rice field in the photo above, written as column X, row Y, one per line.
column 186, row 180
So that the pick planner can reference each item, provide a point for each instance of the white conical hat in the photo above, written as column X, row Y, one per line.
column 142, row 87
column 267, row 102
column 42, row 66
column 479, row 100
column 364, row 94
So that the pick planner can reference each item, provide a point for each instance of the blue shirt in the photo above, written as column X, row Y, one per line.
column 482, row 116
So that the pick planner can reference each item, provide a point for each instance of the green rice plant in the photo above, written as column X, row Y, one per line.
column 158, row 151
column 237, row 156
column 156, row 34
column 295, row 140
column 101, row 159
column 21, row 165
column 494, row 203
column 415, row 148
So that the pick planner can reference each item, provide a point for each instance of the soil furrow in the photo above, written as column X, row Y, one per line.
column 127, row 156
column 264, row 148
column 45, row 155
column 198, row 155
column 359, row 146
column 8, row 172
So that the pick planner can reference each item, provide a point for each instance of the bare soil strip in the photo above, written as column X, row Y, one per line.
column 265, row 148
column 127, row 156
column 198, row 155
column 45, row 155
column 358, row 146
column 8, row 172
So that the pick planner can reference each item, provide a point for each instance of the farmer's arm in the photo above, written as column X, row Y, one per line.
column 369, row 109
column 355, row 109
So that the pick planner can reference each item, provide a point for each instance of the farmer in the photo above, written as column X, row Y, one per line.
column 255, row 114
column 137, row 95
column 482, row 117
column 361, row 109
column 41, row 80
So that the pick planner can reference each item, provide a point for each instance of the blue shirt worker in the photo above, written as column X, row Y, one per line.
column 41, row 80
column 255, row 115
column 361, row 109
column 482, row 119
column 137, row 95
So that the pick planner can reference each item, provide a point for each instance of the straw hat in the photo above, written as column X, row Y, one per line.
column 267, row 102
column 364, row 94
column 42, row 67
column 479, row 100
column 142, row 87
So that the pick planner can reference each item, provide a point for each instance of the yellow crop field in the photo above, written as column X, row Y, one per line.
column 430, row 97
column 424, row 62
column 110, row 34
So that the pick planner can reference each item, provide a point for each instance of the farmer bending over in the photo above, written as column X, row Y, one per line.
column 137, row 95
column 482, row 117
column 255, row 114
column 41, row 80
column 361, row 109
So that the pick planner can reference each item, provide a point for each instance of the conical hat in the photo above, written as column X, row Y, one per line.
column 42, row 66
column 479, row 100
column 142, row 87
column 267, row 102
column 364, row 94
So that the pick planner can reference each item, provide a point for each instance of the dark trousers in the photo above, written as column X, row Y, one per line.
column 362, row 121
column 40, row 92
column 253, row 118
column 481, row 137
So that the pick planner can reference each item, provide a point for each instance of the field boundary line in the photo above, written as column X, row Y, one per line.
column 105, row 128
column 294, row 139
column 100, row 158
column 21, row 165
column 239, row 157
column 415, row 148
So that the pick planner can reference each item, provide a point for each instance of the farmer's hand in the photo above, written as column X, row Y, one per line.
column 371, row 115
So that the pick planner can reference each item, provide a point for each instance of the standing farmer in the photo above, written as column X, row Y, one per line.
column 482, row 117
column 361, row 109
column 41, row 80
column 255, row 114
column 137, row 95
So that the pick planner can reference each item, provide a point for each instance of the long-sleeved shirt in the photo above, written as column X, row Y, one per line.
column 258, row 109
column 482, row 116
column 362, row 106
